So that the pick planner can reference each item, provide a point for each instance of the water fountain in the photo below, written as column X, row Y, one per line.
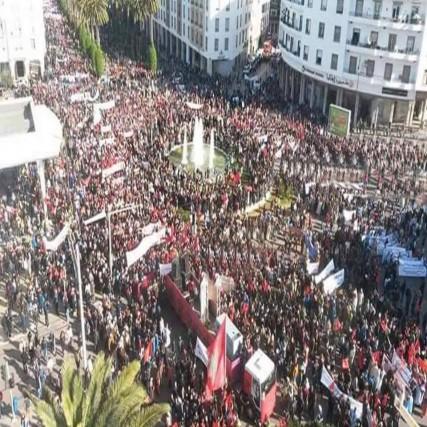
column 211, row 150
column 197, row 154
column 184, row 160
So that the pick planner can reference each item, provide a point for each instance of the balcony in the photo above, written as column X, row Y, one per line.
column 414, row 23
column 292, row 25
column 373, row 49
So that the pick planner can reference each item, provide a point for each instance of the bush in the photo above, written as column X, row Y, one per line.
column 99, row 63
column 152, row 58
column 85, row 39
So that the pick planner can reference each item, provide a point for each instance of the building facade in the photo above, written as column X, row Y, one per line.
column 214, row 35
column 369, row 56
column 22, row 38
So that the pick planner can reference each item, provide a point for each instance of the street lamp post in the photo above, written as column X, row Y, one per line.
column 79, row 280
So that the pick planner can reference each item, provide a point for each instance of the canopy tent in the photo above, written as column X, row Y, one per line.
column 36, row 136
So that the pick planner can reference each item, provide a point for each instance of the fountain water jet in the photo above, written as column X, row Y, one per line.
column 184, row 160
column 197, row 154
column 211, row 150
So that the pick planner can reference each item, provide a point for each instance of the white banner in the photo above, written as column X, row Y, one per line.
column 54, row 244
column 106, row 128
column 312, row 267
column 149, row 229
column 393, row 253
column 201, row 351
column 330, row 267
column 327, row 380
column 333, row 282
column 128, row 134
column 146, row 244
column 105, row 105
column 165, row 269
column 204, row 298
column 95, row 218
column 412, row 267
column 194, row 106
column 113, row 169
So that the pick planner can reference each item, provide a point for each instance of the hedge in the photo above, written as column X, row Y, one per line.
column 152, row 58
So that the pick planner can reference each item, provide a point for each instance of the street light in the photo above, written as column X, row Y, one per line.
column 79, row 280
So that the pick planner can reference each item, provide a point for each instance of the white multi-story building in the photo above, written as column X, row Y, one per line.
column 213, row 35
column 22, row 38
column 369, row 56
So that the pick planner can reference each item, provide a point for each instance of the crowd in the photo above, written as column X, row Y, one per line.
column 275, row 303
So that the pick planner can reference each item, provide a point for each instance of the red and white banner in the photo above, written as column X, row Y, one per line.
column 146, row 244
column 113, row 169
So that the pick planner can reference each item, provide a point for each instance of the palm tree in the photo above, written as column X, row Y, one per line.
column 94, row 13
column 137, row 11
column 102, row 403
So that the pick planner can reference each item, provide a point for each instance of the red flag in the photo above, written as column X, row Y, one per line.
column 216, row 362
column 268, row 403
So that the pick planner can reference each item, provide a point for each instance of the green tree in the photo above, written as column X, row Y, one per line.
column 102, row 402
column 99, row 62
column 152, row 58
column 93, row 13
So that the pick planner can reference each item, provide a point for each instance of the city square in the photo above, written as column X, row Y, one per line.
column 213, row 213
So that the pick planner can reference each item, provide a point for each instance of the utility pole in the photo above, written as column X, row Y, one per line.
column 79, row 280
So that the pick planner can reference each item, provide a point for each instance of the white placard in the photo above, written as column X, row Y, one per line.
column 333, row 282
column 330, row 267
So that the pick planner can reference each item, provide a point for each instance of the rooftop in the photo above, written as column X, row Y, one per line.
column 16, row 117
column 28, row 132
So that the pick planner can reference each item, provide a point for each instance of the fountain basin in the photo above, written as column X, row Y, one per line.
column 220, row 160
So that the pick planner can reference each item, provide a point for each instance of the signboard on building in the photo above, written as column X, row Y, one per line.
column 339, row 120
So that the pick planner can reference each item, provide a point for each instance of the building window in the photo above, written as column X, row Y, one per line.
column 206, row 43
column 355, row 37
column 216, row 45
column 425, row 77
column 334, row 61
column 33, row 44
column 307, row 26
column 309, row 3
column 373, row 39
column 370, row 68
column 340, row 6
column 392, row 38
column 305, row 53
column 337, row 34
column 396, row 10
column 319, row 54
column 388, row 71
column 321, row 30
column 226, row 43
column 227, row 24
column 406, row 74
column 358, row 11
column 216, row 25
column 323, row 4
column 410, row 44
column 352, row 66
column 377, row 9
column 227, row 8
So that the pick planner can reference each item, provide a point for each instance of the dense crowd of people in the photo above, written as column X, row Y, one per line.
column 275, row 303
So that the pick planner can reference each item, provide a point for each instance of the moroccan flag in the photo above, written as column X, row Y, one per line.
column 216, row 362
